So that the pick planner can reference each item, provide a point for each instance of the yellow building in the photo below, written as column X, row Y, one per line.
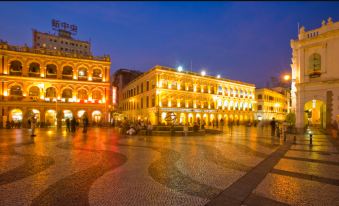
column 190, row 96
column 270, row 104
column 47, row 82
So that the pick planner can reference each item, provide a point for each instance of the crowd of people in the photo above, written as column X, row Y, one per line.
column 134, row 127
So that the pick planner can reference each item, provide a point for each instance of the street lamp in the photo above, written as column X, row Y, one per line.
column 287, row 77
column 218, row 76
column 203, row 73
column 180, row 69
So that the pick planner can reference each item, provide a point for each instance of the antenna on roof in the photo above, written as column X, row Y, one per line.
column 191, row 65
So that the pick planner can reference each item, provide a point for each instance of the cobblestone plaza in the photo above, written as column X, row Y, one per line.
column 245, row 167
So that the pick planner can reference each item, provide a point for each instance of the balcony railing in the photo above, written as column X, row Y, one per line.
column 33, row 74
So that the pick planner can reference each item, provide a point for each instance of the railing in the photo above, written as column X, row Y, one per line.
column 6, row 46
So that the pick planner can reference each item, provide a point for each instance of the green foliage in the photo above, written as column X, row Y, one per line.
column 290, row 119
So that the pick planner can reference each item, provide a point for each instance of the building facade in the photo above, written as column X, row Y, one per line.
column 120, row 79
column 162, row 93
column 63, row 41
column 47, row 82
column 271, row 104
column 315, row 75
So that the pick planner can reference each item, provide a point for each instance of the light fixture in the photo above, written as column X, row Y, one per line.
column 287, row 77
column 180, row 69
column 203, row 73
column 218, row 76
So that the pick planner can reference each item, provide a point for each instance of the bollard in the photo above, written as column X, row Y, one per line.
column 295, row 139
column 311, row 139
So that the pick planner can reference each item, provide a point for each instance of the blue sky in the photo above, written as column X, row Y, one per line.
column 247, row 41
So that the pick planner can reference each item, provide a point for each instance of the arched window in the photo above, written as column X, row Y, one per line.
column 82, row 74
column 96, row 95
column 97, row 75
column 51, row 92
column 82, row 94
column 34, row 70
column 16, row 90
column 34, row 91
column 15, row 68
column 51, row 71
column 315, row 65
column 67, row 72
column 67, row 93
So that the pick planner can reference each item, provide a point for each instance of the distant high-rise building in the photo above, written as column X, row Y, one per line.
column 63, row 40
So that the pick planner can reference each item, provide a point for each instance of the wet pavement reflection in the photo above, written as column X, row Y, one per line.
column 103, row 167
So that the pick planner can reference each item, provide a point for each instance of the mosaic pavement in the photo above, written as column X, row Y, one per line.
column 245, row 167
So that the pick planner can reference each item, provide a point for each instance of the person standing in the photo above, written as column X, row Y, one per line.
column 68, row 125
column 33, row 125
column 73, row 124
column 85, row 124
column 222, row 124
column 273, row 126
column 185, row 129
column 149, row 128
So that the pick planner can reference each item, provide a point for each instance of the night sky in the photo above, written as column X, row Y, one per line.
column 247, row 41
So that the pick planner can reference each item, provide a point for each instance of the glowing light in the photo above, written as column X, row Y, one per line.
column 42, row 75
column 89, row 78
column 218, row 76
column 314, row 102
column 180, row 68
column 203, row 73
column 5, row 93
column 287, row 77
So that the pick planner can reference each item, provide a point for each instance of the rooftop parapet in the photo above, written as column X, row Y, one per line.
column 44, row 51
column 325, row 27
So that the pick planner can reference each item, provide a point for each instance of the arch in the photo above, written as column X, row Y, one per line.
column 97, row 95
column 51, row 71
column 68, row 114
column 67, row 93
column 97, row 74
column 67, row 72
column 82, row 94
column 34, row 91
column 16, row 115
column 80, row 113
column 315, row 113
column 51, row 92
column 82, row 73
column 34, row 69
column 33, row 112
column 15, row 68
column 96, row 116
column 15, row 90
column 50, row 118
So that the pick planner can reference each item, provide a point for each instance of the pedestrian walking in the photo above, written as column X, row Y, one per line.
column 273, row 127
column 73, row 124
column 85, row 124
column 149, row 128
column 68, row 125
column 33, row 125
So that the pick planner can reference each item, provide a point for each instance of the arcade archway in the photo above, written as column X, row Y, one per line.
column 315, row 114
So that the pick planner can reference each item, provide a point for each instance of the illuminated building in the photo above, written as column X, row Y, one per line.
column 47, row 81
column 315, row 75
column 270, row 104
column 192, row 97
